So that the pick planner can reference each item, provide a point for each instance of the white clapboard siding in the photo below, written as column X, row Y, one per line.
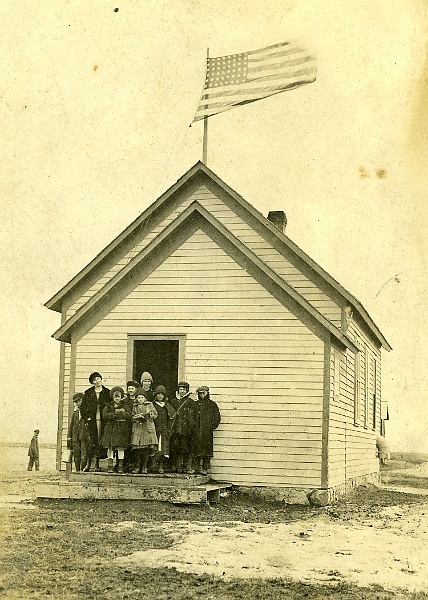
column 257, row 477
column 265, row 370
column 269, row 446
column 352, row 446
column 65, row 400
column 243, row 232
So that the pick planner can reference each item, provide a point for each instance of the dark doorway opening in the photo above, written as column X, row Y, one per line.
column 160, row 358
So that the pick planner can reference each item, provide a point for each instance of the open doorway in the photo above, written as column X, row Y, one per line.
column 161, row 356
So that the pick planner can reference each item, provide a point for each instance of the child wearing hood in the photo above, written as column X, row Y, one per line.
column 117, row 427
column 146, row 386
column 144, row 440
column 163, row 424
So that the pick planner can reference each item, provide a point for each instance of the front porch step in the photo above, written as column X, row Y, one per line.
column 148, row 480
column 109, row 487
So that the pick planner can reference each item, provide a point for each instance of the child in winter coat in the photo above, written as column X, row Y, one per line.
column 117, row 427
column 181, row 431
column 131, row 388
column 206, row 420
column 78, row 438
column 163, row 424
column 144, row 439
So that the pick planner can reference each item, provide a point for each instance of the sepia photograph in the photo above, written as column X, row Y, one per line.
column 214, row 311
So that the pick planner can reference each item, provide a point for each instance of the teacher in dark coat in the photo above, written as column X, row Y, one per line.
column 94, row 401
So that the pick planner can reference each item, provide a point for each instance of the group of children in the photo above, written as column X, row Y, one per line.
column 142, row 429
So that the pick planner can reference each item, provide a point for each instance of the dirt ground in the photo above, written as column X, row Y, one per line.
column 372, row 545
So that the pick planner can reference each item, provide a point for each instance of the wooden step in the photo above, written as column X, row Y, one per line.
column 149, row 480
column 111, row 490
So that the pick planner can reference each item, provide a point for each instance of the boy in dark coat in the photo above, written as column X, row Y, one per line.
column 117, row 427
column 94, row 401
column 163, row 424
column 206, row 420
column 181, row 430
column 78, row 438
column 33, row 452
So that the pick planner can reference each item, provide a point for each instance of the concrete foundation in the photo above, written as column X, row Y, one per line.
column 334, row 493
column 185, row 489
column 314, row 497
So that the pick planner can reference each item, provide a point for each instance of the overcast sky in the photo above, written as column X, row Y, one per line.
column 95, row 112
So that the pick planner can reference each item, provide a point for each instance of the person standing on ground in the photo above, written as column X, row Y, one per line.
column 383, row 449
column 206, row 420
column 94, row 401
column 33, row 452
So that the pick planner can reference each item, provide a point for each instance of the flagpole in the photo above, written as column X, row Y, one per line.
column 205, row 139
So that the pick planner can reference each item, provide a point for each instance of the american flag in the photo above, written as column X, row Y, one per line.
column 238, row 79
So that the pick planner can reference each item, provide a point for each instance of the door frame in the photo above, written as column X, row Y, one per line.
column 135, row 337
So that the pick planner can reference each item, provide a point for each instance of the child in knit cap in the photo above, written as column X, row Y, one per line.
column 163, row 424
column 146, row 386
column 144, row 439
column 117, row 428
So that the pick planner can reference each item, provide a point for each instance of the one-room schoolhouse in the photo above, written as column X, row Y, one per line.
column 201, row 287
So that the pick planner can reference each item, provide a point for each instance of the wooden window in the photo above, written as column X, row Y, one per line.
column 374, row 392
column 336, row 375
column 366, row 385
column 357, row 387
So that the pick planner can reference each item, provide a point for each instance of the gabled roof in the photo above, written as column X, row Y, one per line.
column 192, row 218
column 201, row 173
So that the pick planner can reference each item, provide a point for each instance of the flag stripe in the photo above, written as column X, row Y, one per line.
column 280, row 54
column 268, row 49
column 254, row 94
column 210, row 102
column 229, row 90
column 278, row 59
column 202, row 113
column 237, row 79
column 270, row 76
column 277, row 67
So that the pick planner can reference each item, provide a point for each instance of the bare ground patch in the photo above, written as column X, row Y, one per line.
column 370, row 545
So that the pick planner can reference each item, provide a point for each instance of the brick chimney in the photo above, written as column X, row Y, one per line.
column 279, row 219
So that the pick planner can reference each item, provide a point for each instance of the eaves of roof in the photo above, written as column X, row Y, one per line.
column 200, row 169
column 200, row 217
